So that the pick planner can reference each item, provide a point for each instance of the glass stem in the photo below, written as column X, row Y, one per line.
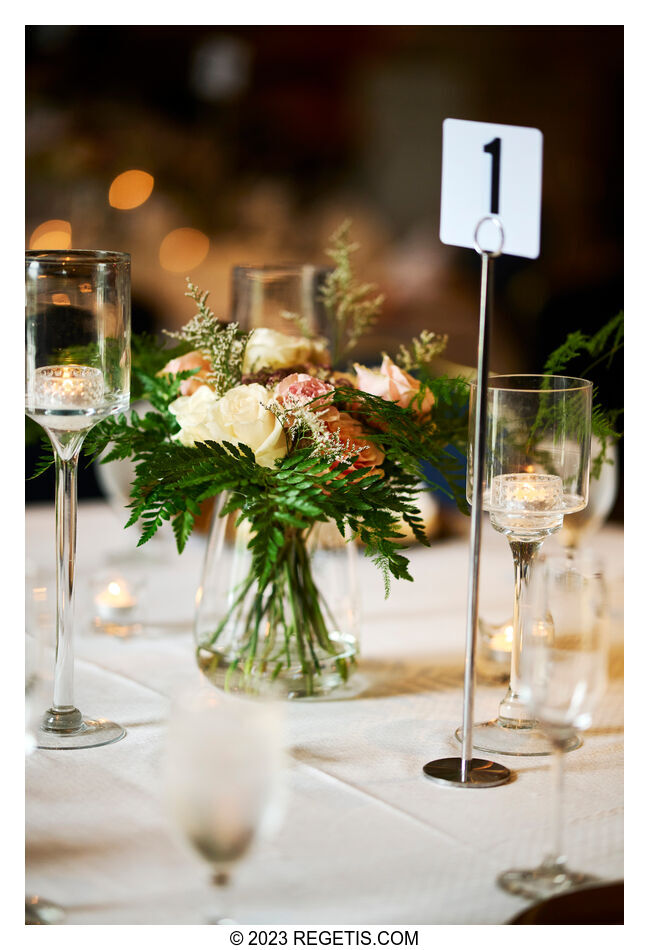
column 63, row 717
column 557, row 859
column 222, row 881
column 512, row 712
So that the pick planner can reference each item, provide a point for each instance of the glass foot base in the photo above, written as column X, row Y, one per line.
column 543, row 882
column 40, row 911
column 92, row 732
column 492, row 737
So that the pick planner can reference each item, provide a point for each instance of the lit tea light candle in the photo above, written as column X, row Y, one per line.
column 116, row 603
column 495, row 645
column 68, row 387
column 527, row 491
column 501, row 641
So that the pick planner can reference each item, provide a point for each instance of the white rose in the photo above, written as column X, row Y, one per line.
column 197, row 417
column 269, row 349
column 238, row 416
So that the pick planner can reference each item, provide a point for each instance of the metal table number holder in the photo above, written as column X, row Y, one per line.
column 465, row 771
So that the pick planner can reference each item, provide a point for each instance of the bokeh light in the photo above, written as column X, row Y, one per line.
column 53, row 235
column 183, row 249
column 130, row 189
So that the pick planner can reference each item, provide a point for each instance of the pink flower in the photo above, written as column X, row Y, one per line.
column 351, row 433
column 300, row 389
column 394, row 385
column 194, row 360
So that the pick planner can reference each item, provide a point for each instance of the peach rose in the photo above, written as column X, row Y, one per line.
column 300, row 389
column 351, row 432
column 392, row 384
column 194, row 360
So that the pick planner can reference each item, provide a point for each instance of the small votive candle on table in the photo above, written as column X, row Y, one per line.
column 495, row 649
column 115, row 607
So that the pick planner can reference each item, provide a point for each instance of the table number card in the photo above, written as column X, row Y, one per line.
column 491, row 170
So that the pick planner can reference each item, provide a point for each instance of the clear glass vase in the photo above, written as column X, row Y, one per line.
column 295, row 628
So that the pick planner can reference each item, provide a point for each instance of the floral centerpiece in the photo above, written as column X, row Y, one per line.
column 292, row 438
column 289, row 442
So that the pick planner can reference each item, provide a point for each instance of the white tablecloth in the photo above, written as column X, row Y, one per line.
column 367, row 839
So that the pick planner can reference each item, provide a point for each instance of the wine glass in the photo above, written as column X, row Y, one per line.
column 562, row 677
column 536, row 470
column 222, row 775
column 77, row 373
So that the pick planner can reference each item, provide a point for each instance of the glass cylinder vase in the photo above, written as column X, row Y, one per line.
column 295, row 627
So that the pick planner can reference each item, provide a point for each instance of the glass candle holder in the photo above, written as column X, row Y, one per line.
column 77, row 373
column 537, row 466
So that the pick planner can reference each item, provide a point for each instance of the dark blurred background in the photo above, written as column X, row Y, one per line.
column 256, row 142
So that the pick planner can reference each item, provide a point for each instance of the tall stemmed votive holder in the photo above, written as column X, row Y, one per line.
column 537, row 467
column 77, row 372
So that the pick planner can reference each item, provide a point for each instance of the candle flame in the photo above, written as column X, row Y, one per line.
column 114, row 588
column 509, row 633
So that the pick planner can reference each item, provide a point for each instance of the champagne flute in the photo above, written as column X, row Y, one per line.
column 77, row 373
column 536, row 470
column 562, row 677
column 222, row 776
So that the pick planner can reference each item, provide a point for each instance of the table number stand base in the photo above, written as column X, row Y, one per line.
column 465, row 771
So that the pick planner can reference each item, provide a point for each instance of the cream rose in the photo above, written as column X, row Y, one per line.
column 268, row 349
column 238, row 416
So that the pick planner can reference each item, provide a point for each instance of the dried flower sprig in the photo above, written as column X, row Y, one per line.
column 224, row 344
column 422, row 350
column 351, row 307
column 300, row 421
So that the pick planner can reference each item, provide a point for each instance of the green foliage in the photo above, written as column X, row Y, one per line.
column 46, row 457
column 149, row 355
column 602, row 345
column 351, row 307
column 592, row 351
column 172, row 480
column 407, row 438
